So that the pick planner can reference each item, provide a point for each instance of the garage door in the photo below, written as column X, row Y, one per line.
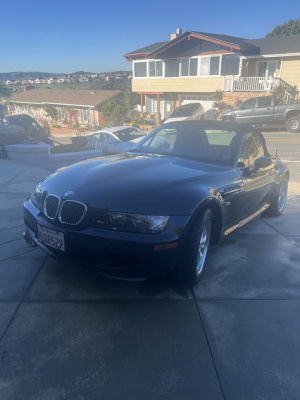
column 206, row 101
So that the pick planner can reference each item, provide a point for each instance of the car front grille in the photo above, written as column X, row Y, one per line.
column 51, row 205
column 72, row 212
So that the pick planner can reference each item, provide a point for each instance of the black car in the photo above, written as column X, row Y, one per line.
column 33, row 130
column 157, row 208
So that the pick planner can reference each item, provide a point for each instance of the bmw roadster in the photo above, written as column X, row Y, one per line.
column 158, row 207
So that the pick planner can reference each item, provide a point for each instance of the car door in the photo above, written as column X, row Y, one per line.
column 109, row 144
column 257, row 182
column 264, row 109
column 247, row 112
column 94, row 142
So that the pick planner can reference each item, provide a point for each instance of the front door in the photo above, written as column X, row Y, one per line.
column 271, row 69
column 261, row 69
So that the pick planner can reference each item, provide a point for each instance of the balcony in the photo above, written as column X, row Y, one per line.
column 249, row 84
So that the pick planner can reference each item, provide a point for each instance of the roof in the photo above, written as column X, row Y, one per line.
column 226, row 39
column 147, row 49
column 264, row 46
column 277, row 44
column 89, row 98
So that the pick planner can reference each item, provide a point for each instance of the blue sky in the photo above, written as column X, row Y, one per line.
column 68, row 36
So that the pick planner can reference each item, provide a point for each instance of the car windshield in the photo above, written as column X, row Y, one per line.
column 194, row 141
column 185, row 111
column 128, row 134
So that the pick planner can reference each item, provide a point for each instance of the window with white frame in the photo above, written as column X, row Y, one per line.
column 85, row 114
column 189, row 66
column 140, row 69
column 172, row 68
column 155, row 68
column 210, row 66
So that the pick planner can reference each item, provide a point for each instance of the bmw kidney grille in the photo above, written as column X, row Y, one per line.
column 51, row 206
column 72, row 212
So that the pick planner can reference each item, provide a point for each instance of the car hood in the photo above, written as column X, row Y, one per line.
column 130, row 182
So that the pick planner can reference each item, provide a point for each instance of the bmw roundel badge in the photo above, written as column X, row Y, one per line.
column 68, row 194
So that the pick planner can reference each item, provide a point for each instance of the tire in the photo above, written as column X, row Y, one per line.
column 191, row 263
column 293, row 124
column 277, row 206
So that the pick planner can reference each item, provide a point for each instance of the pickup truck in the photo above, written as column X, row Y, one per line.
column 265, row 110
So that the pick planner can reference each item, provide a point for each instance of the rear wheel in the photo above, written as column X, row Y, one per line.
column 293, row 124
column 277, row 206
column 192, row 260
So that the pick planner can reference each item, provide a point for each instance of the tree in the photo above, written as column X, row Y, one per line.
column 115, row 111
column 4, row 90
column 292, row 27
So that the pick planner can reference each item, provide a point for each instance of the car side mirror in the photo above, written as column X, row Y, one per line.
column 262, row 162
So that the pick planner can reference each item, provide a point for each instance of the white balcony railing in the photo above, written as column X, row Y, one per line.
column 248, row 84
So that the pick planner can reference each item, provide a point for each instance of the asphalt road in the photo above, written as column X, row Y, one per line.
column 288, row 150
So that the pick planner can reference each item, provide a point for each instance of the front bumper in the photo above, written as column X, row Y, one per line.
column 116, row 254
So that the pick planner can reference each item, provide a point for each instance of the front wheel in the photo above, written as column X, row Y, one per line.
column 293, row 124
column 277, row 206
column 192, row 260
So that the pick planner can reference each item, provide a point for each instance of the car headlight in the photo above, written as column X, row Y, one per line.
column 37, row 196
column 135, row 223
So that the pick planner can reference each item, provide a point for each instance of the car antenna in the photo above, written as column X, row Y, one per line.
column 277, row 141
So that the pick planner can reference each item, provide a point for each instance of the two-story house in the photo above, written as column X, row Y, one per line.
column 193, row 65
column 84, row 79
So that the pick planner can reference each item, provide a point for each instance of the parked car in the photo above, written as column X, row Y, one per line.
column 265, row 110
column 116, row 140
column 158, row 207
column 192, row 111
column 33, row 130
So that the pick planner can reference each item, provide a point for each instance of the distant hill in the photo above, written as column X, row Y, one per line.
column 24, row 75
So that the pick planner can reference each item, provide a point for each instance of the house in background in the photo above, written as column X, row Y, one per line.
column 73, row 107
column 84, row 79
column 51, row 81
column 193, row 65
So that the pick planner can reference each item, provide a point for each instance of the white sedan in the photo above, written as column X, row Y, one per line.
column 115, row 140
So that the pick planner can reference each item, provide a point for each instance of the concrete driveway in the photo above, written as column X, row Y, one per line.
column 66, row 333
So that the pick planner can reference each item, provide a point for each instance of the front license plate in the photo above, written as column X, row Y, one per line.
column 51, row 238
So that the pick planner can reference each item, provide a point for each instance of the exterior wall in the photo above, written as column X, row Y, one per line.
column 291, row 71
column 182, row 85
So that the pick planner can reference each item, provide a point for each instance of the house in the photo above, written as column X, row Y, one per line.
column 43, row 81
column 9, row 82
column 72, row 106
column 31, row 81
column 84, row 79
column 24, row 81
column 97, row 80
column 38, row 81
column 61, row 80
column 69, row 79
column 52, row 80
column 193, row 65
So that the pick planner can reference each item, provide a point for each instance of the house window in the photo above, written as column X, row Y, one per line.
column 172, row 68
column 189, row 66
column 155, row 68
column 215, row 65
column 140, row 70
column 230, row 64
column 204, row 68
column 85, row 114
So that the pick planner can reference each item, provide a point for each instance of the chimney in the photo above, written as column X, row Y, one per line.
column 175, row 35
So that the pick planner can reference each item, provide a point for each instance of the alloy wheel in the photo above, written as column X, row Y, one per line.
column 203, row 246
column 294, row 124
column 282, row 195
